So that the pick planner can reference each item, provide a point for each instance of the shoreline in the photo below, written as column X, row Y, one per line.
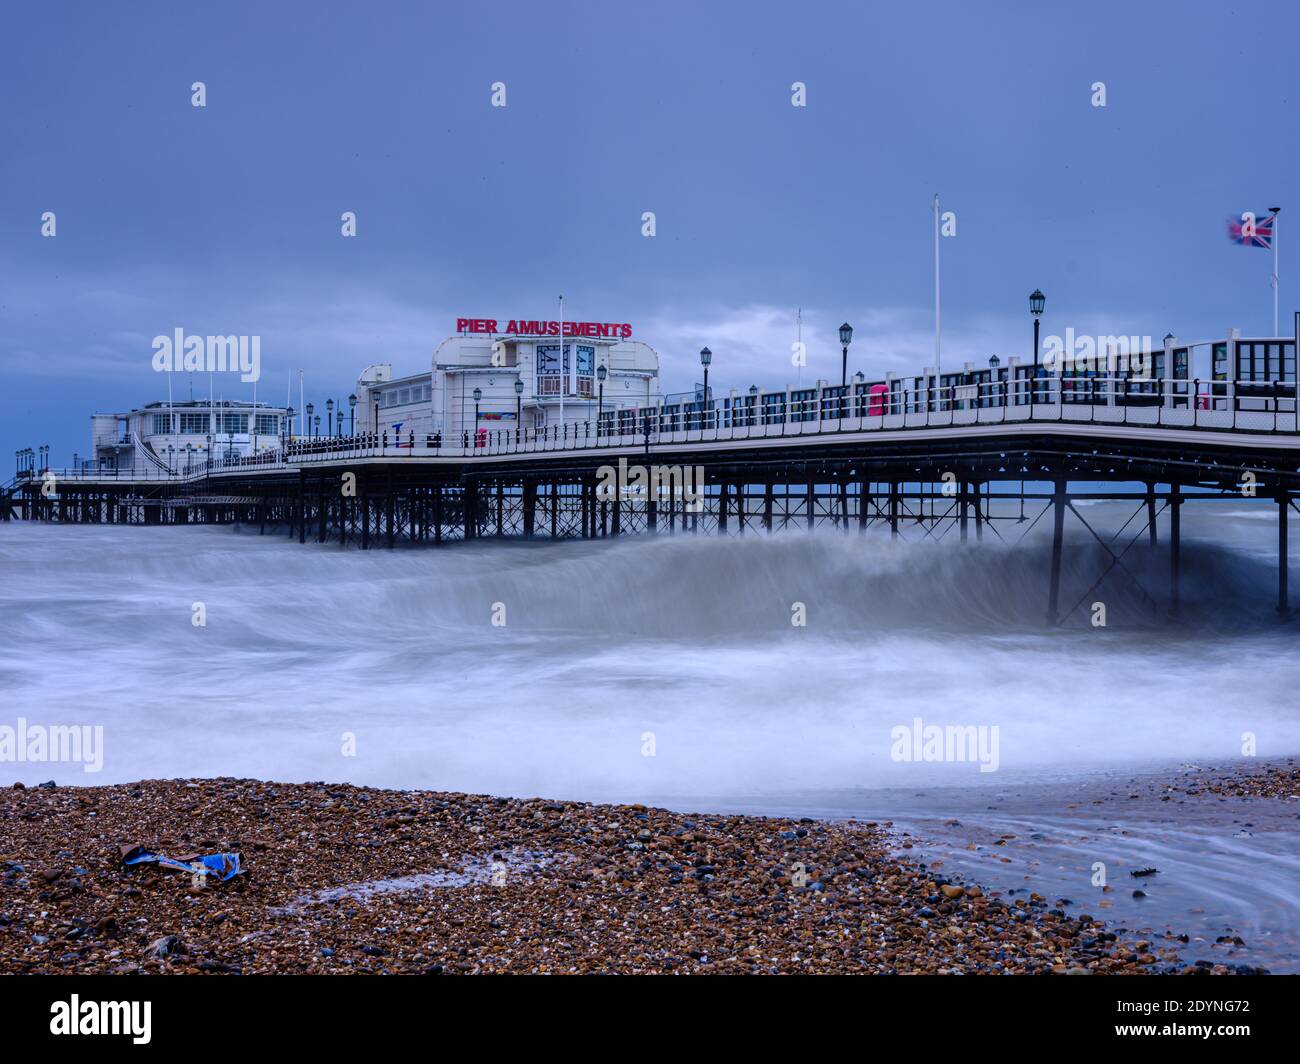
column 344, row 879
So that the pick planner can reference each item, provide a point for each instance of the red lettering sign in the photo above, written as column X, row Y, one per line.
column 604, row 330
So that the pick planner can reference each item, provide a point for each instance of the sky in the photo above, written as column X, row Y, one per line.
column 226, row 219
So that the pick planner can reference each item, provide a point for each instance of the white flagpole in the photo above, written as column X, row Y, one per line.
column 1275, row 278
column 564, row 372
column 937, row 362
column 171, row 428
column 798, row 325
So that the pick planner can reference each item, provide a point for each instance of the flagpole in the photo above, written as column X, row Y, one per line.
column 564, row 372
column 1276, row 280
column 937, row 363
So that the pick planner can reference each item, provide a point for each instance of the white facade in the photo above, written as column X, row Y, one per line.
column 177, row 436
column 441, row 401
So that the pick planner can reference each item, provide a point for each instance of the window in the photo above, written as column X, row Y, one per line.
column 234, row 423
column 162, row 423
column 194, row 424
column 268, row 424
column 804, row 404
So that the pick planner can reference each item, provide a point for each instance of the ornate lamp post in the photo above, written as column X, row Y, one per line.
column 478, row 395
column 329, row 417
column 601, row 373
column 1037, row 301
column 352, row 415
column 846, row 338
column 519, row 406
column 706, row 356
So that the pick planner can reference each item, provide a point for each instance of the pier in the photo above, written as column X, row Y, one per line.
column 992, row 460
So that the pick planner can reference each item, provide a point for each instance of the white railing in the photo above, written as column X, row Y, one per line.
column 1240, row 406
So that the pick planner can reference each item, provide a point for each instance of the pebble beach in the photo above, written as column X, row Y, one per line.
column 344, row 879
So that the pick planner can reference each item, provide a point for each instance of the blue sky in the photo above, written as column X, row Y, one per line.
column 225, row 219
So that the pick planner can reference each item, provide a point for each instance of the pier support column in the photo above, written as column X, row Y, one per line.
column 810, row 503
column 1283, row 595
column 963, row 507
column 302, row 507
column 390, row 511
column 1175, row 549
column 722, row 505
column 501, row 507
column 1151, row 514
column 321, row 504
column 767, row 506
column 893, row 509
column 1058, row 530
column 365, row 519
column 530, row 506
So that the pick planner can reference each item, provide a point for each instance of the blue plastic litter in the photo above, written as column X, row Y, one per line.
column 225, row 866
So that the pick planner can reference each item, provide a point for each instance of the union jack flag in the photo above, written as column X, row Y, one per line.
column 1253, row 230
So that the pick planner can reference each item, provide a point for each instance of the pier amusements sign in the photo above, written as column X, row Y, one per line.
column 595, row 330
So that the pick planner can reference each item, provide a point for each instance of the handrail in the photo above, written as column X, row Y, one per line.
column 1257, row 407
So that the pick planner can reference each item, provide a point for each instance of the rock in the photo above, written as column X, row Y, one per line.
column 952, row 891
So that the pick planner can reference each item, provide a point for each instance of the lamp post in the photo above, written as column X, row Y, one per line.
column 315, row 426
column 706, row 356
column 310, row 408
column 1037, row 301
column 329, row 417
column 994, row 362
column 601, row 373
column 519, row 406
column 208, row 437
column 846, row 338
column 286, row 427
column 352, row 415
column 376, row 415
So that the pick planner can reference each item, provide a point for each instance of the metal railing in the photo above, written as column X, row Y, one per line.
column 1168, row 403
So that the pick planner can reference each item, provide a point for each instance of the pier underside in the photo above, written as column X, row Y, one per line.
column 988, row 492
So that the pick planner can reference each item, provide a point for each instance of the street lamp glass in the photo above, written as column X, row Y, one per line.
column 994, row 361
column 601, row 373
column 310, row 408
column 478, row 394
column 329, row 406
column 519, row 386
column 706, row 356
column 1037, row 301
column 846, row 334
column 352, row 400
